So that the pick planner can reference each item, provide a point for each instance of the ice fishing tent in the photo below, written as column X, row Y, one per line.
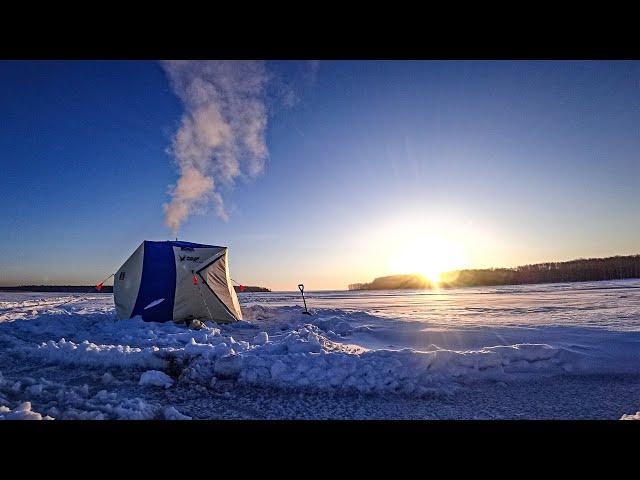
column 163, row 281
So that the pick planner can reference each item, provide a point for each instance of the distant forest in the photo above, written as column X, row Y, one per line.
column 581, row 270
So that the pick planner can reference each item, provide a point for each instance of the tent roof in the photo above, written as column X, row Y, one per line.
column 172, row 243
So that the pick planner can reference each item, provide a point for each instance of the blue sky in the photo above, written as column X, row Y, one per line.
column 517, row 162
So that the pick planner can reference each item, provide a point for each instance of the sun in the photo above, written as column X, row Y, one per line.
column 432, row 275
column 429, row 256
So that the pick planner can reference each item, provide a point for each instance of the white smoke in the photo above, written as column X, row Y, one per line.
column 221, row 135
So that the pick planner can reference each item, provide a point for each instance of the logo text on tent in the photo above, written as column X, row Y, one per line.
column 189, row 259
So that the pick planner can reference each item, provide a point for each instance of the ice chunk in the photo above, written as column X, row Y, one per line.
column 22, row 412
column 261, row 338
column 34, row 389
column 228, row 366
column 194, row 348
column 631, row 417
column 134, row 409
column 156, row 378
column 98, row 355
column 170, row 413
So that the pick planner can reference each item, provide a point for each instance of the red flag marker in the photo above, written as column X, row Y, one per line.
column 195, row 280
column 99, row 287
column 242, row 287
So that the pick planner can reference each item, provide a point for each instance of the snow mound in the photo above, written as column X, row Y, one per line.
column 90, row 354
column 635, row 416
column 170, row 413
column 261, row 338
column 21, row 412
column 156, row 379
column 304, row 358
column 291, row 351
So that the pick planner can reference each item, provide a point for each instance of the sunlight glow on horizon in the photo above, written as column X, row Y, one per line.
column 429, row 256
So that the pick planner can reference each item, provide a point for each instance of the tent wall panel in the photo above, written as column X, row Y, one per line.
column 158, row 282
column 127, row 283
column 216, row 276
column 194, row 300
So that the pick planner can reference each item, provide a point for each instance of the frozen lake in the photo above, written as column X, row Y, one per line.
column 611, row 304
column 536, row 351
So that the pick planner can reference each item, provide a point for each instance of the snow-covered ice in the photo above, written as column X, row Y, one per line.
column 156, row 379
column 21, row 412
column 635, row 416
column 422, row 351
column 170, row 413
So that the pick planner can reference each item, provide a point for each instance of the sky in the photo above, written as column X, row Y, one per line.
column 326, row 173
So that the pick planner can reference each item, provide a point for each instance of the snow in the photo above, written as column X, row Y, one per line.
column 21, row 412
column 170, row 413
column 635, row 416
column 87, row 353
column 77, row 361
column 156, row 379
column 261, row 338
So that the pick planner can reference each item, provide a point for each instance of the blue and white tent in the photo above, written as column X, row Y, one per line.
column 176, row 281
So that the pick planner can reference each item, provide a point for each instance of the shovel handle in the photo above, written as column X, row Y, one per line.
column 301, row 287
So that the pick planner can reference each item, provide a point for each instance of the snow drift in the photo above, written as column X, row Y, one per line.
column 78, row 361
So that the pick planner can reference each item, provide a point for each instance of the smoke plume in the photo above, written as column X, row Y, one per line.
column 221, row 135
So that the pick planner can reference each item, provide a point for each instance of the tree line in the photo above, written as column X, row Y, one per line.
column 580, row 270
